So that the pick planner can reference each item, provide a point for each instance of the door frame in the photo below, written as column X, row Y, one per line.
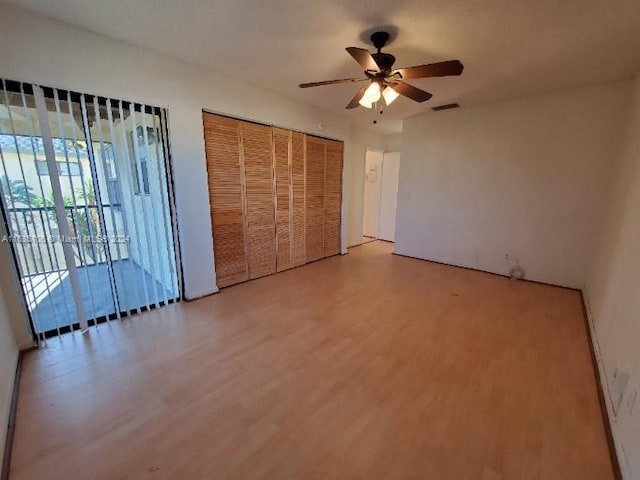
column 364, row 186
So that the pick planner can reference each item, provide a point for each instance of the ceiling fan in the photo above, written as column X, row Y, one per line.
column 383, row 80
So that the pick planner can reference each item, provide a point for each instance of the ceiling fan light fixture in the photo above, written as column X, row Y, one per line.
column 385, row 81
column 371, row 95
column 389, row 95
column 364, row 103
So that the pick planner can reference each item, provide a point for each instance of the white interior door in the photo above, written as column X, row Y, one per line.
column 372, row 182
column 389, row 196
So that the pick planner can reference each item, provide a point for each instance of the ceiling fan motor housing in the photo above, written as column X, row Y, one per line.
column 385, row 61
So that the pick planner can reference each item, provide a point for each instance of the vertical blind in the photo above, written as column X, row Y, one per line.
column 88, row 203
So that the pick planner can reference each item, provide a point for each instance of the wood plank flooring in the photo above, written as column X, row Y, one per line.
column 365, row 366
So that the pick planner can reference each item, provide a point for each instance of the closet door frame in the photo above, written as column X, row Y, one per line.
column 292, row 197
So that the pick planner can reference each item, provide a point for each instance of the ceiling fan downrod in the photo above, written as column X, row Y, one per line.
column 379, row 40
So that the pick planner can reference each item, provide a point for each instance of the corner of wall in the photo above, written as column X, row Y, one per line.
column 11, row 296
column 610, row 300
column 393, row 142
column 5, row 402
column 603, row 385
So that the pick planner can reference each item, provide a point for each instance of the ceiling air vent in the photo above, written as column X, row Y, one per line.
column 445, row 107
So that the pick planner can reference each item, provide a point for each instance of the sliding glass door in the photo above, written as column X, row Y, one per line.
column 87, row 201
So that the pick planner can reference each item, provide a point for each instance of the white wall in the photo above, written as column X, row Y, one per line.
column 8, row 360
column 394, row 142
column 528, row 178
column 613, row 288
column 44, row 51
column 14, row 332
column 13, row 308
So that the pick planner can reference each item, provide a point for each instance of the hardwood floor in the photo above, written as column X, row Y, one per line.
column 366, row 366
column 364, row 239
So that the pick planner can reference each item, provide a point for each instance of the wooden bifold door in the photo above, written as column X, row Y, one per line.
column 275, row 197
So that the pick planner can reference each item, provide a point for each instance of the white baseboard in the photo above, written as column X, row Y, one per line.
column 604, row 384
column 201, row 294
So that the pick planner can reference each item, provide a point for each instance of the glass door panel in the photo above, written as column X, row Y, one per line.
column 88, row 203
column 30, row 216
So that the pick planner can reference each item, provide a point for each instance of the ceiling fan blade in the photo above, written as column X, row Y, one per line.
column 332, row 82
column 354, row 101
column 440, row 69
column 364, row 58
column 411, row 92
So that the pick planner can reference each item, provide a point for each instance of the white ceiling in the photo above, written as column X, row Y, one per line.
column 510, row 48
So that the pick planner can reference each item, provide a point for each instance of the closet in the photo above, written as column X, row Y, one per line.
column 275, row 197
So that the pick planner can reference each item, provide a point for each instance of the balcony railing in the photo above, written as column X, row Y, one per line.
column 38, row 241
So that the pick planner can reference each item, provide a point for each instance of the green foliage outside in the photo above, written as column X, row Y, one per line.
column 83, row 222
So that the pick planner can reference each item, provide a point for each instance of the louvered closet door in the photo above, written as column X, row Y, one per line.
column 259, row 183
column 333, row 198
column 298, row 243
column 316, row 150
column 222, row 142
column 282, row 168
